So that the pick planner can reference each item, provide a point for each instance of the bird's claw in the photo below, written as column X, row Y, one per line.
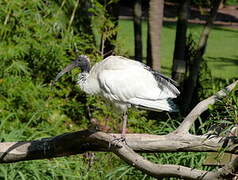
column 117, row 141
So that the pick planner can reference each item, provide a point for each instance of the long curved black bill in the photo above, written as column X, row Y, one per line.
column 65, row 70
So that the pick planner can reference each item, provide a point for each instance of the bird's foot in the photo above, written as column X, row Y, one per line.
column 117, row 140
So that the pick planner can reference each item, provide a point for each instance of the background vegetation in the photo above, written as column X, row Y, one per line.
column 220, row 53
column 38, row 38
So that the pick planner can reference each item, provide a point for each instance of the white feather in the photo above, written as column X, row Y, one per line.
column 157, row 105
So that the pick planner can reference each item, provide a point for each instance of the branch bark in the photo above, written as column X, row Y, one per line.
column 83, row 141
column 86, row 140
column 160, row 171
column 201, row 107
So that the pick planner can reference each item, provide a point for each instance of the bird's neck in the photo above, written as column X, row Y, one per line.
column 82, row 77
column 85, row 67
column 82, row 81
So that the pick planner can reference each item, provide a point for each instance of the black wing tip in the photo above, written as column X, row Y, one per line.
column 164, row 81
column 159, row 75
column 174, row 106
column 167, row 82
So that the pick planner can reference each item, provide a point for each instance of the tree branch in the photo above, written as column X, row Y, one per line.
column 201, row 107
column 83, row 141
column 161, row 171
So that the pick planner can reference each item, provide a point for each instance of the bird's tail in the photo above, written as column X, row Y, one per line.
column 155, row 105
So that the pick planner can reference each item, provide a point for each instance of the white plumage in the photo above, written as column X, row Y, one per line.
column 125, row 83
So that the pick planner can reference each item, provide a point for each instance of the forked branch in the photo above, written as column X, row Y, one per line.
column 83, row 141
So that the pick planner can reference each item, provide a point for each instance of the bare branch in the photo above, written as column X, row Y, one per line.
column 62, row 145
column 160, row 171
column 201, row 107
column 83, row 141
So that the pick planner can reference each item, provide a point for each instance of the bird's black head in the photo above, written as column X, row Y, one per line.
column 81, row 61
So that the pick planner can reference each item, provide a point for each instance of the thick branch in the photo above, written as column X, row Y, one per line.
column 83, row 141
column 203, row 106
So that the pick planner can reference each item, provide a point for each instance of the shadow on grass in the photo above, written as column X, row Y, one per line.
column 225, row 61
column 224, row 28
column 172, row 25
column 169, row 25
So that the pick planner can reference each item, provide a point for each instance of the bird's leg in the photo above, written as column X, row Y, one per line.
column 123, row 133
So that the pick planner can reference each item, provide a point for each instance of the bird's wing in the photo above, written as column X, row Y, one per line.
column 134, row 82
column 121, row 63
column 166, row 82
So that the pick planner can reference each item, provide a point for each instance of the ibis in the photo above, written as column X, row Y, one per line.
column 125, row 83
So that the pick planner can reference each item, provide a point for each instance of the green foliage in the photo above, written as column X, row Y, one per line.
column 221, row 52
column 38, row 38
column 231, row 2
column 103, row 24
column 35, row 43
column 37, row 33
column 223, row 116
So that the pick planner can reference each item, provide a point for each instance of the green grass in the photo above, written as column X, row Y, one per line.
column 221, row 54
